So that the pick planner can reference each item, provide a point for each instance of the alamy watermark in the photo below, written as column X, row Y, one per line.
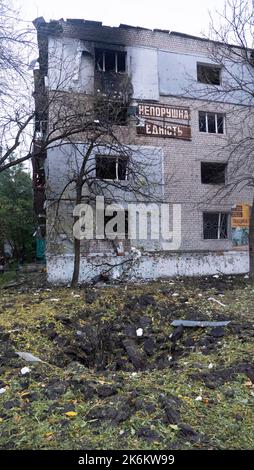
column 136, row 221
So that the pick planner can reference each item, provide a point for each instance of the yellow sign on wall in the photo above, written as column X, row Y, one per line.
column 240, row 216
column 240, row 223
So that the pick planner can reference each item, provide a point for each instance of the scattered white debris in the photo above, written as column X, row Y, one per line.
column 28, row 356
column 170, row 336
column 217, row 301
column 121, row 432
column 210, row 366
column 25, row 370
column 79, row 333
column 54, row 300
column 139, row 332
column 77, row 295
column 175, row 294
column 246, row 276
column 170, row 358
column 2, row 390
column 199, row 398
column 134, row 374
column 200, row 295
column 136, row 253
column 216, row 276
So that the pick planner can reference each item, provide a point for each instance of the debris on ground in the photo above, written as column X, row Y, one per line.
column 217, row 301
column 198, row 324
column 131, row 366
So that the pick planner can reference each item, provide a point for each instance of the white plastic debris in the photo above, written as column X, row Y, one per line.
column 210, row 366
column 139, row 332
column 216, row 276
column 217, row 301
column 197, row 323
column 199, row 398
column 175, row 294
column 28, row 356
column 121, row 432
column 25, row 370
column 170, row 358
column 120, row 249
column 54, row 300
column 2, row 390
column 246, row 276
column 136, row 253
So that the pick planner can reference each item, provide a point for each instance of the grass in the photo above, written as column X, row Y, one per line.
column 222, row 418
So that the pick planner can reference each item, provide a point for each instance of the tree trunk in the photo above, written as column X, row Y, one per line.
column 76, row 265
column 251, row 242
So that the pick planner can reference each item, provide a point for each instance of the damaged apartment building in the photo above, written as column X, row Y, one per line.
column 163, row 137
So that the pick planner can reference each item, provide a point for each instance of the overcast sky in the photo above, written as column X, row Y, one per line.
column 187, row 16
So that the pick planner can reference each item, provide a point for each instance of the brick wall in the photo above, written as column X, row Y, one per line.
column 181, row 159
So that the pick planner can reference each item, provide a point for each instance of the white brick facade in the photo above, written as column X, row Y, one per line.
column 162, row 69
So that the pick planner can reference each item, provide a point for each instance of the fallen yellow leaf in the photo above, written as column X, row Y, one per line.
column 71, row 414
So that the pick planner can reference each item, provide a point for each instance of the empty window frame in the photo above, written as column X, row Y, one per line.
column 213, row 173
column 212, row 123
column 215, row 225
column 111, row 168
column 209, row 74
column 107, row 218
column 107, row 60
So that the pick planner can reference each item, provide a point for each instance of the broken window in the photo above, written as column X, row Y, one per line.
column 215, row 225
column 213, row 123
column 110, row 60
column 115, row 227
column 209, row 74
column 213, row 173
column 111, row 168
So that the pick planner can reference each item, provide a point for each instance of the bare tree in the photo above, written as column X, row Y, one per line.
column 17, row 47
column 61, row 116
column 105, row 165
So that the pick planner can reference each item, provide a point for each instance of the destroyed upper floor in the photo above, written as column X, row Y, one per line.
column 86, row 56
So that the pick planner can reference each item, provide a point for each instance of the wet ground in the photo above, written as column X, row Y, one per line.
column 117, row 374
